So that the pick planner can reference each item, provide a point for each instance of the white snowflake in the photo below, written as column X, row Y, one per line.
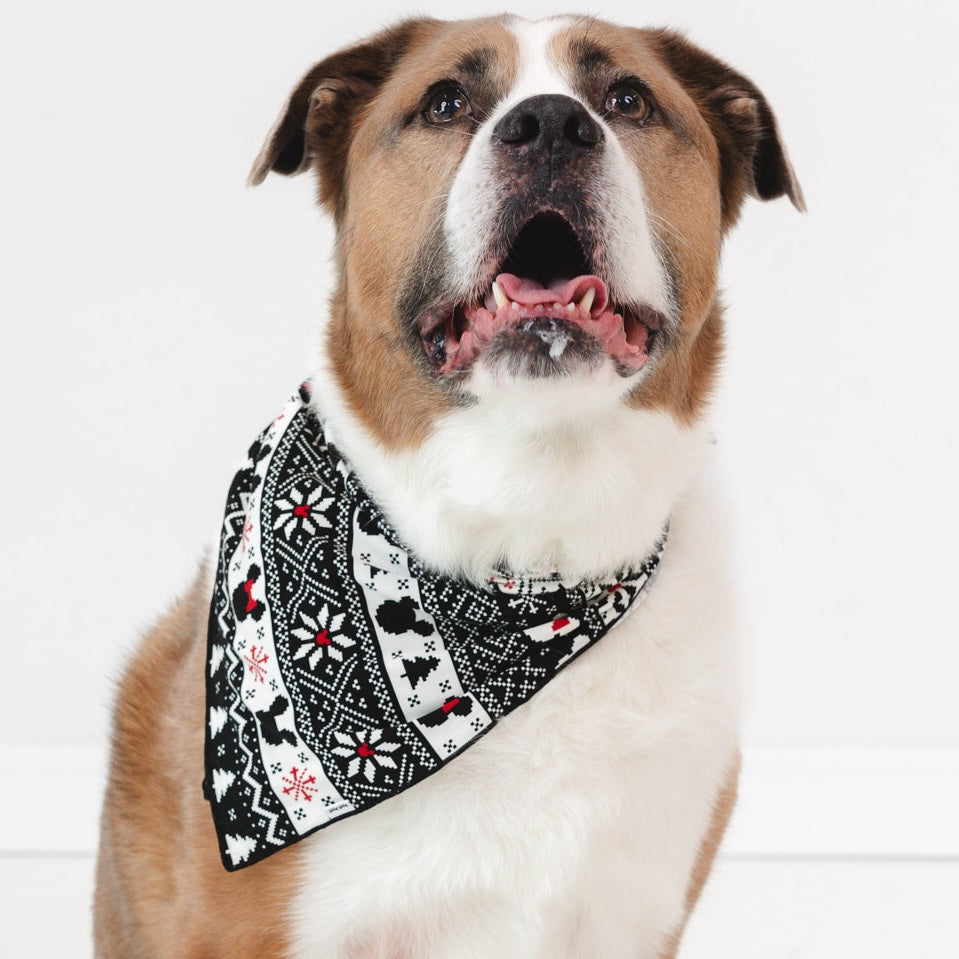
column 321, row 639
column 302, row 510
column 367, row 752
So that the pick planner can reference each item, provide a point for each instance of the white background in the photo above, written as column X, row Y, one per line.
column 156, row 313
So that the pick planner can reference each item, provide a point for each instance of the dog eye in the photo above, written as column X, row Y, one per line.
column 447, row 103
column 627, row 100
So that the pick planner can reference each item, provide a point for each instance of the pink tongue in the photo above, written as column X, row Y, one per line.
column 530, row 293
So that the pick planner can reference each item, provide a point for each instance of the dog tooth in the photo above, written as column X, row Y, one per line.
column 557, row 307
column 501, row 298
column 587, row 301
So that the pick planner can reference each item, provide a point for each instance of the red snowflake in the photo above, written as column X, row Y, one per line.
column 256, row 661
column 247, row 531
column 299, row 785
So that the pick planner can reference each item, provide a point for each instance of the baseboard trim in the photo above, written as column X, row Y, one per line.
column 796, row 802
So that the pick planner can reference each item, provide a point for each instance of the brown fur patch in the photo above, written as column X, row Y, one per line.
column 407, row 173
column 161, row 888
column 707, row 149
column 722, row 811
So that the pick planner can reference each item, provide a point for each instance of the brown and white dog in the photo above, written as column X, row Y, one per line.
column 553, row 419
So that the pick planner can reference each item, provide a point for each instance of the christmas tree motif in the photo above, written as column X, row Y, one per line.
column 418, row 668
column 217, row 720
column 216, row 657
column 238, row 848
column 222, row 780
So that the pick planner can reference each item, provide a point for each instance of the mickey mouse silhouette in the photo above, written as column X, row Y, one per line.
column 552, row 653
column 246, row 480
column 269, row 729
column 243, row 602
column 398, row 616
column 455, row 705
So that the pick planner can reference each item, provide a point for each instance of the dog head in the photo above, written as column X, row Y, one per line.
column 531, row 210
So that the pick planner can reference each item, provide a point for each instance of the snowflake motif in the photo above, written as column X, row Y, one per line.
column 302, row 510
column 247, row 532
column 320, row 637
column 367, row 753
column 257, row 662
column 299, row 785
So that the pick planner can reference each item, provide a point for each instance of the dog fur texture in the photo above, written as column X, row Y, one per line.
column 585, row 824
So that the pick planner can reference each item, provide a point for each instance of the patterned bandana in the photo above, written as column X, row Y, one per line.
column 343, row 671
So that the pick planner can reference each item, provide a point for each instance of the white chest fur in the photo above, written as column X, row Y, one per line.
column 571, row 829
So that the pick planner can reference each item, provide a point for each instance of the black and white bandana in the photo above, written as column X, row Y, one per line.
column 341, row 670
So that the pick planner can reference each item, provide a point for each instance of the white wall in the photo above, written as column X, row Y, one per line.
column 156, row 313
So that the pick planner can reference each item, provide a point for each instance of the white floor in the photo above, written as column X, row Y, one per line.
column 750, row 910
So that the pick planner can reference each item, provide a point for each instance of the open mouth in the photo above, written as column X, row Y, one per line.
column 545, row 301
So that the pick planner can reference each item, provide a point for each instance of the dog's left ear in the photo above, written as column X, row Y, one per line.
column 318, row 121
column 752, row 156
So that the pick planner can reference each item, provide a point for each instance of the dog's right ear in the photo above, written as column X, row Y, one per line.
column 318, row 121
column 752, row 155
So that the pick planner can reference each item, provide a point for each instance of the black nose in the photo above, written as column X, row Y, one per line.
column 546, row 122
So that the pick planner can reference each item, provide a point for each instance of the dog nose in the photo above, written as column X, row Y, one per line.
column 547, row 121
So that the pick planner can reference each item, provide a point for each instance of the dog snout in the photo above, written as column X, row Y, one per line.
column 548, row 123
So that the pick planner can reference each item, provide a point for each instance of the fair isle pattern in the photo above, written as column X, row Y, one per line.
column 340, row 670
